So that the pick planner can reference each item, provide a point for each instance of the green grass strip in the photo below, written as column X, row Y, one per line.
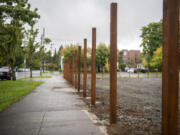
column 38, row 77
column 13, row 91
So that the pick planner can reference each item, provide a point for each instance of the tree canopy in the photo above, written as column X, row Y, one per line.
column 157, row 59
column 68, row 51
column 102, row 54
column 151, row 40
column 14, row 14
column 31, row 47
column 151, row 37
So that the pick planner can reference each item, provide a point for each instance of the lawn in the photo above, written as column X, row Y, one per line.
column 13, row 91
column 38, row 77
column 46, row 72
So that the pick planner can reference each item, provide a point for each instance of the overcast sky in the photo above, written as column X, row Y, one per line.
column 69, row 21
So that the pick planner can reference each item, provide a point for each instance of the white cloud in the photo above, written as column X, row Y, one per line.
column 72, row 20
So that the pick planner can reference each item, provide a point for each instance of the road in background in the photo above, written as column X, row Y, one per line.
column 21, row 75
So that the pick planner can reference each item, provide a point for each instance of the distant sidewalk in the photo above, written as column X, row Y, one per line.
column 52, row 109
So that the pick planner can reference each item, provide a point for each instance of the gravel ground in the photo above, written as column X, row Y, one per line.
column 139, row 105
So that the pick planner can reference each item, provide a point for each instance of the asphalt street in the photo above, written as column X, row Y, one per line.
column 21, row 75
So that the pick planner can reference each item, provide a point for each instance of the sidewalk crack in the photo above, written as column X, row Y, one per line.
column 41, row 123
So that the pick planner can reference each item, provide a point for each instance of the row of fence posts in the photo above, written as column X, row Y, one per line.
column 170, row 74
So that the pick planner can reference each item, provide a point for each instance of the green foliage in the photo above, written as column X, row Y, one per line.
column 151, row 37
column 68, row 51
column 30, row 49
column 56, row 58
column 147, row 61
column 60, row 50
column 38, row 77
column 102, row 55
column 157, row 59
column 107, row 66
column 51, row 66
column 14, row 14
column 59, row 69
column 47, row 40
column 141, row 58
column 10, row 43
column 122, row 65
column 17, row 10
column 151, row 40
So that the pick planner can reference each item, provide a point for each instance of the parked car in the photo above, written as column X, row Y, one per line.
column 131, row 70
column 143, row 70
column 20, row 70
column 135, row 70
column 5, row 73
column 126, row 69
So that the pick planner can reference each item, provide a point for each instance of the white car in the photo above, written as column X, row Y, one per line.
column 126, row 69
column 131, row 70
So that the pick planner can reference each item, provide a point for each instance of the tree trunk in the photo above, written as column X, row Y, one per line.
column 30, row 72
column 43, row 66
column 102, row 72
column 30, row 67
column 13, row 73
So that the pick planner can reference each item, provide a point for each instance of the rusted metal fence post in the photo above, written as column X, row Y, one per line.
column 85, row 68
column 75, row 68
column 93, row 68
column 113, row 63
column 71, row 70
column 170, row 74
column 79, row 67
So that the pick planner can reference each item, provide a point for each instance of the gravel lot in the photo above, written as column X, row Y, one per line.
column 139, row 105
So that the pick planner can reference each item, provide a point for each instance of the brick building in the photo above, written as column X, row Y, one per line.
column 130, row 57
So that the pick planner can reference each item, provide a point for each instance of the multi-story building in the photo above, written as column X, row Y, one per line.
column 130, row 57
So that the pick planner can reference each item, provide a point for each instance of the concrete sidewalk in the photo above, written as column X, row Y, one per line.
column 52, row 109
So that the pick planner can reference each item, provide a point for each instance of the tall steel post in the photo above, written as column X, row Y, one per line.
column 93, row 68
column 85, row 68
column 113, row 63
column 170, row 72
column 79, row 68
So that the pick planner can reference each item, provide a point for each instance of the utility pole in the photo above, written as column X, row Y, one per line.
column 43, row 47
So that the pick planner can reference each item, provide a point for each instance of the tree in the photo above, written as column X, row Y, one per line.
column 47, row 40
column 122, row 64
column 60, row 50
column 31, row 47
column 157, row 59
column 107, row 65
column 151, row 37
column 102, row 55
column 18, row 13
column 68, row 51
column 60, row 54
column 56, row 59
